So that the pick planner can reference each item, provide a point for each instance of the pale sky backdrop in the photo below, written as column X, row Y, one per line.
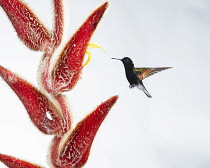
column 170, row 130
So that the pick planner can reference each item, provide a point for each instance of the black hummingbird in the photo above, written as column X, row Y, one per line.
column 136, row 75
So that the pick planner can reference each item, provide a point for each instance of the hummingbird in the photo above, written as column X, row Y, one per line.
column 136, row 75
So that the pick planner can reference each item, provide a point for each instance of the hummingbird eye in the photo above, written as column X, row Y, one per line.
column 126, row 60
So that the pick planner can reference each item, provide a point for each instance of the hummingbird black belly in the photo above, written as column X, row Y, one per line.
column 132, row 77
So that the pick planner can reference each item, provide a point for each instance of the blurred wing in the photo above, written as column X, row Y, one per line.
column 146, row 72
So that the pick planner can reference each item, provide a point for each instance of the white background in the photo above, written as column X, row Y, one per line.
column 170, row 130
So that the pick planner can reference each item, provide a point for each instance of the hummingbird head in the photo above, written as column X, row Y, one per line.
column 128, row 63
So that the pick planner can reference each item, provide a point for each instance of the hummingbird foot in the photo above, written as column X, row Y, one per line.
column 132, row 86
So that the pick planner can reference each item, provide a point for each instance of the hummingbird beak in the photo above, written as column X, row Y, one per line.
column 117, row 59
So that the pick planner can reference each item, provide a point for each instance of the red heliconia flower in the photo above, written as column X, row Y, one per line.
column 47, row 106
column 71, row 151
column 67, row 70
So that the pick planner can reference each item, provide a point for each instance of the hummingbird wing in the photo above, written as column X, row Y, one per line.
column 146, row 72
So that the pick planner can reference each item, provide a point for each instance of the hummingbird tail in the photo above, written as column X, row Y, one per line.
column 141, row 87
column 147, row 93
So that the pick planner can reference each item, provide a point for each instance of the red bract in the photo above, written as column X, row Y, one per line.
column 48, row 107
column 58, row 25
column 74, row 151
column 28, row 27
column 12, row 162
column 36, row 103
column 67, row 69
